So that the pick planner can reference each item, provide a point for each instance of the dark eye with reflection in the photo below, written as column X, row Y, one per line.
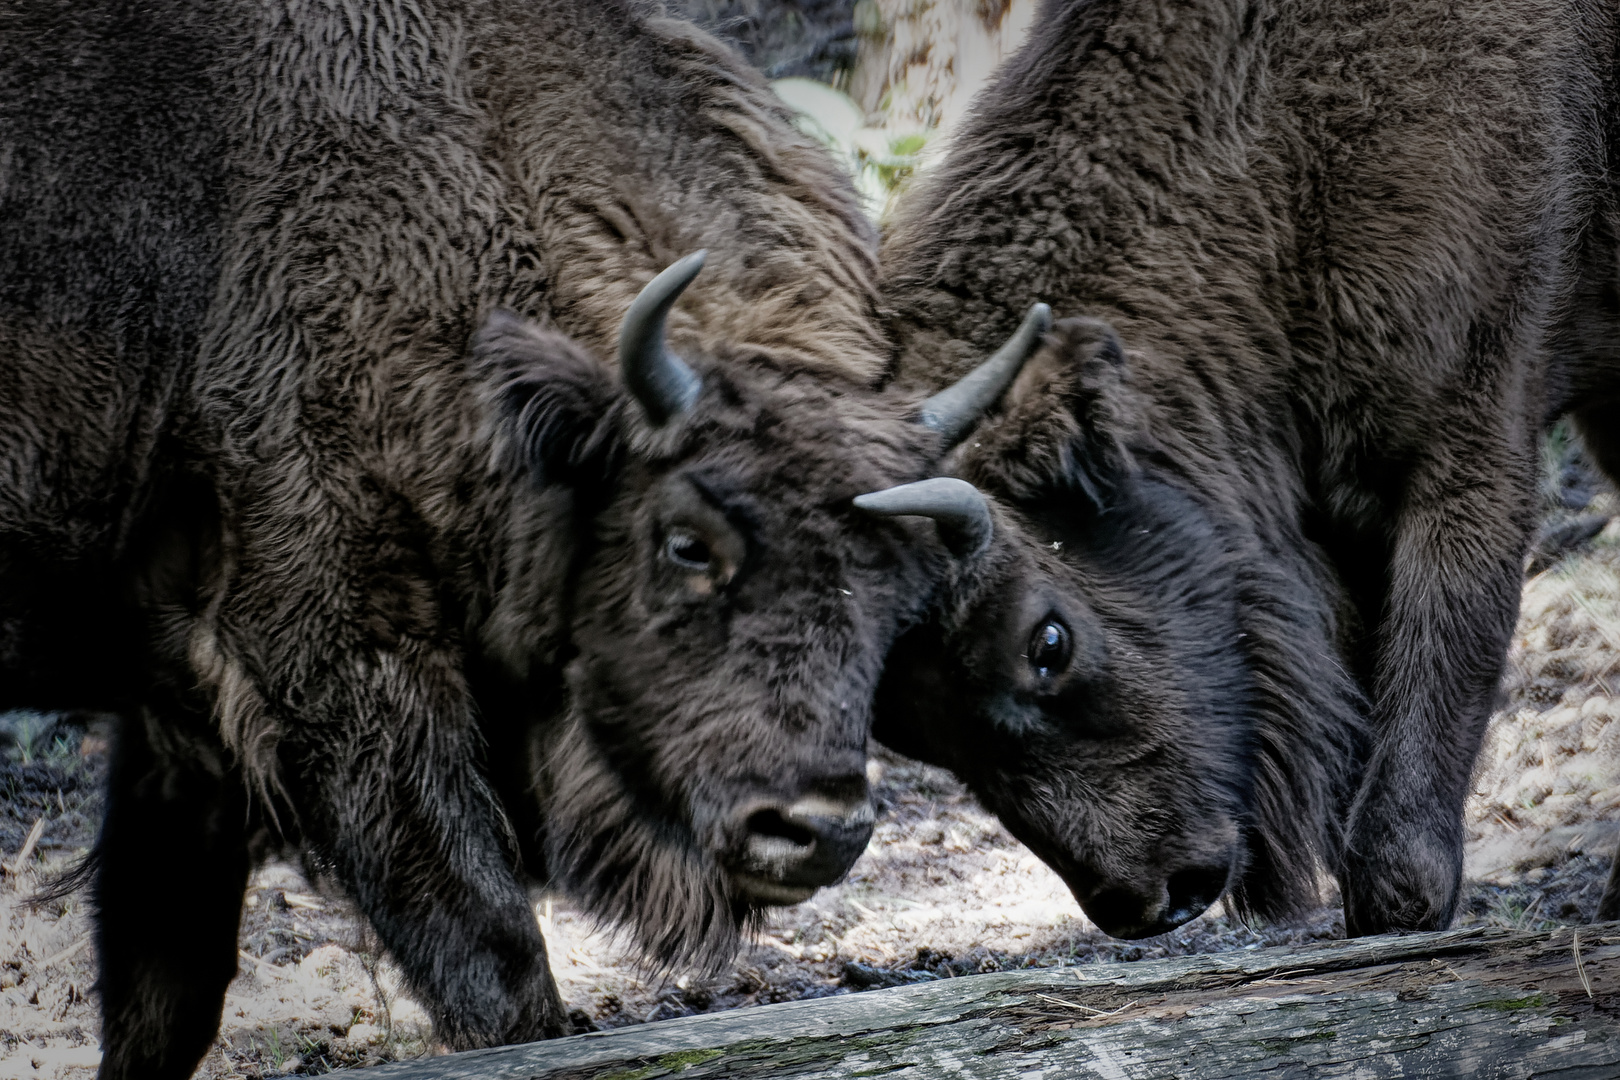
column 1049, row 649
column 687, row 551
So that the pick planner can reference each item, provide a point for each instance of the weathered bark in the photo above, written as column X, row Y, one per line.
column 1465, row 1003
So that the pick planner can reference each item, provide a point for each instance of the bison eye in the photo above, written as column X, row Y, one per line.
column 1049, row 649
column 687, row 551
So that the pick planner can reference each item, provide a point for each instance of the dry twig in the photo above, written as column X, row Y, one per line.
column 26, row 852
column 1098, row 1013
column 70, row 951
column 263, row 965
column 1580, row 968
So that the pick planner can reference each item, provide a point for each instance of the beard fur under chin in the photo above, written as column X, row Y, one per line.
column 644, row 876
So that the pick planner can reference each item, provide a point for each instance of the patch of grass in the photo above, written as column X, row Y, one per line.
column 31, row 735
column 1518, row 913
column 277, row 1053
column 1530, row 1001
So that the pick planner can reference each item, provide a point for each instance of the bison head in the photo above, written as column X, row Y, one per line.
column 729, row 613
column 1085, row 677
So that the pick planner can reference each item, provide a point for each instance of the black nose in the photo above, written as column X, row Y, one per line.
column 791, row 851
column 1126, row 912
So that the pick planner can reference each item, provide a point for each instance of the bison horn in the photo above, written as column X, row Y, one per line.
column 658, row 378
column 955, row 409
column 959, row 508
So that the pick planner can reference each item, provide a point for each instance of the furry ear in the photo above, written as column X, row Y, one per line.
column 1066, row 424
column 558, row 403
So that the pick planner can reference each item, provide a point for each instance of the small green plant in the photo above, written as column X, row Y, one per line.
column 880, row 161
column 32, row 735
column 274, row 1050
column 1517, row 914
column 63, row 750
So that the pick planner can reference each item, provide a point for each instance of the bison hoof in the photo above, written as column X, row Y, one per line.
column 1407, row 882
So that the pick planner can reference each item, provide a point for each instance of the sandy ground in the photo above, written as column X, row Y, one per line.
column 942, row 891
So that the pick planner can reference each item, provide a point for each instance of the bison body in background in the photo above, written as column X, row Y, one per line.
column 285, row 485
column 1324, row 272
column 807, row 38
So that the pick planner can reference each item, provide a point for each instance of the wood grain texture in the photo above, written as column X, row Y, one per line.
column 1479, row 1002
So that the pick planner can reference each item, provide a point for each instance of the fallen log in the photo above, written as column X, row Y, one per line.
column 1477, row 1003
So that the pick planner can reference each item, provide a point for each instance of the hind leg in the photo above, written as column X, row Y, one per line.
column 1608, row 909
column 175, row 829
column 1599, row 426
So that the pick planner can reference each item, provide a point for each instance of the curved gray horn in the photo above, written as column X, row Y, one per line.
column 961, row 511
column 658, row 378
column 955, row 409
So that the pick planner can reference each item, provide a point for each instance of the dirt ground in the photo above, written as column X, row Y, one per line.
column 943, row 890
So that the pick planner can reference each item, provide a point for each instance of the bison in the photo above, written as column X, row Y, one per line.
column 1326, row 272
column 357, row 454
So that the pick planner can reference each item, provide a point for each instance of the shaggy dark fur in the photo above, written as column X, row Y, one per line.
column 255, row 498
column 1358, row 256
column 815, row 38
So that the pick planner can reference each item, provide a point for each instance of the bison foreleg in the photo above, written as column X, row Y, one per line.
column 171, row 867
column 1453, row 595
column 409, row 824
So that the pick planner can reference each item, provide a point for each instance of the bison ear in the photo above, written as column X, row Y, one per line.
column 1067, row 423
column 553, row 398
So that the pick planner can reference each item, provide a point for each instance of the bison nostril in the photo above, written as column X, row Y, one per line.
column 1192, row 891
column 772, row 823
column 789, row 852
column 1129, row 913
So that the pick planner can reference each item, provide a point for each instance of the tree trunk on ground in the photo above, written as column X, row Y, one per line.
column 921, row 61
column 1480, row 1002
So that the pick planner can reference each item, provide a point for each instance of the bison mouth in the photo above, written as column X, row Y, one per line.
column 1152, row 900
column 790, row 852
column 761, row 892
column 1142, row 912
